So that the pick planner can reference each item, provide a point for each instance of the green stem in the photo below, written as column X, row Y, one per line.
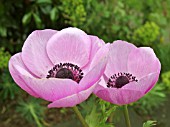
column 126, row 115
column 35, row 117
column 80, row 117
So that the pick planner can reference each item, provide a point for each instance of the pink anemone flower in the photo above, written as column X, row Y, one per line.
column 130, row 73
column 58, row 66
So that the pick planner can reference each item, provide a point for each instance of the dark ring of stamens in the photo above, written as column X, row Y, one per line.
column 68, row 70
column 120, row 79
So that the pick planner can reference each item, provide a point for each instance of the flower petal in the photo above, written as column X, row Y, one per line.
column 97, row 69
column 52, row 89
column 143, row 61
column 118, row 57
column 16, row 60
column 119, row 96
column 96, row 44
column 69, row 45
column 145, row 84
column 73, row 100
column 34, row 52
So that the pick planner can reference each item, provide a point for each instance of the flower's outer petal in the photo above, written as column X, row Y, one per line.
column 97, row 69
column 145, row 84
column 96, row 44
column 34, row 53
column 69, row 45
column 142, row 62
column 118, row 96
column 53, row 88
column 73, row 100
column 16, row 60
column 118, row 57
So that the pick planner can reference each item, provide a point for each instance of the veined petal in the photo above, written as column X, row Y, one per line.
column 51, row 89
column 118, row 57
column 17, row 61
column 119, row 96
column 143, row 61
column 97, row 69
column 69, row 45
column 72, row 100
column 145, row 84
column 34, row 53
column 96, row 44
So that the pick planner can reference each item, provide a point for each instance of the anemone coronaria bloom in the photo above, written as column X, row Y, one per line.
column 130, row 73
column 58, row 66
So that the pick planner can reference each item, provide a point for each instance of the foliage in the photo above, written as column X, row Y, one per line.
column 4, row 58
column 163, row 51
column 149, row 123
column 73, row 12
column 8, row 88
column 97, row 112
column 32, row 110
column 152, row 100
column 166, row 79
column 147, row 34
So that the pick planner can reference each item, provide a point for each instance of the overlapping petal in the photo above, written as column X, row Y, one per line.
column 16, row 60
column 119, row 96
column 143, row 61
column 96, row 44
column 96, row 69
column 74, row 99
column 34, row 53
column 118, row 57
column 69, row 45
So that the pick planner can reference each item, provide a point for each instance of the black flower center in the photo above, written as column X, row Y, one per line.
column 66, row 71
column 120, row 79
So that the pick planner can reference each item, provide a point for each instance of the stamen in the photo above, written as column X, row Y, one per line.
column 66, row 70
column 120, row 79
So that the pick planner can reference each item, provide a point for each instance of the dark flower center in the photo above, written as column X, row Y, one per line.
column 66, row 71
column 120, row 79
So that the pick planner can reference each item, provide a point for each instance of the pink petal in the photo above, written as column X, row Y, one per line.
column 17, row 61
column 69, row 45
column 118, row 57
column 145, row 84
column 119, row 96
column 96, row 44
column 52, row 89
column 34, row 52
column 97, row 69
column 143, row 61
column 72, row 100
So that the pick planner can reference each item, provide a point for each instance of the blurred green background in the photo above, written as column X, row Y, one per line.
column 144, row 23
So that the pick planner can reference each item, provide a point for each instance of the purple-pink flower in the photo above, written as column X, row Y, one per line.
column 130, row 73
column 59, row 66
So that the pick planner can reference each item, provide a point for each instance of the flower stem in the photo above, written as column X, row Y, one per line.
column 126, row 115
column 80, row 117
column 35, row 117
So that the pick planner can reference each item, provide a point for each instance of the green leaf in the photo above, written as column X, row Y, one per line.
column 149, row 123
column 43, row 1
column 27, row 18
column 53, row 14
column 3, row 31
column 37, row 20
